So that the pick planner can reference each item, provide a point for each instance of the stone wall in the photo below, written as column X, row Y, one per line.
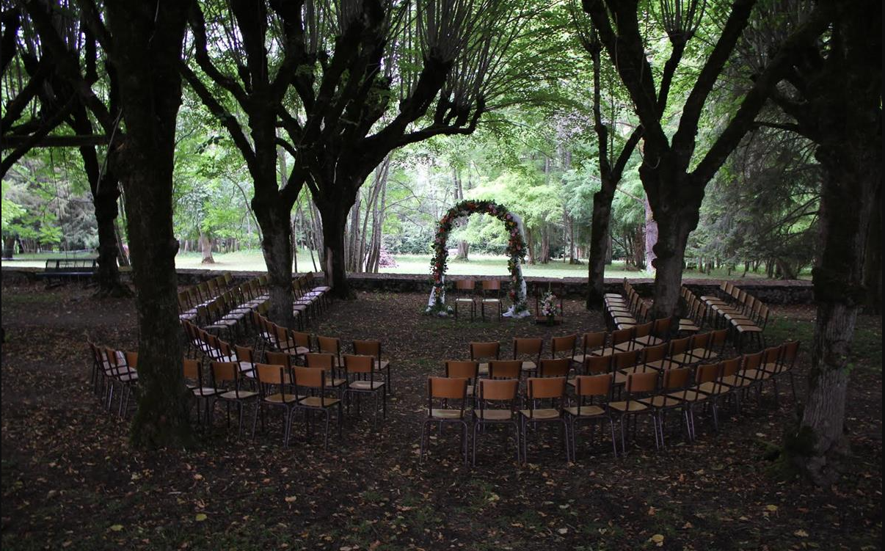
column 768, row 291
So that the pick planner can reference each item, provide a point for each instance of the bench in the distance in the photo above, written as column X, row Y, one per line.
column 61, row 269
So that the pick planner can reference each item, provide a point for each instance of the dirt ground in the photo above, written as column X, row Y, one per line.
column 70, row 480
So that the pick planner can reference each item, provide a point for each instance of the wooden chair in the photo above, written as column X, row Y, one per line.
column 273, row 380
column 529, row 351
column 464, row 369
column 592, row 395
column 440, row 392
column 382, row 366
column 465, row 289
column 491, row 296
column 313, row 382
column 226, row 381
column 638, row 387
column 549, row 392
column 494, row 393
column 360, row 372
column 480, row 351
column 505, row 369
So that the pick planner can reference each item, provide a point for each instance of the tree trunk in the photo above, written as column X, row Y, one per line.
column 294, row 246
column 463, row 250
column 530, row 245
column 147, row 44
column 600, row 238
column 9, row 246
column 276, row 246
column 334, row 220
column 545, row 244
column 669, row 250
column 206, row 248
column 872, row 274
column 651, row 237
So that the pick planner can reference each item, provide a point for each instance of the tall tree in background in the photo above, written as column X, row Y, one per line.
column 611, row 167
column 673, row 180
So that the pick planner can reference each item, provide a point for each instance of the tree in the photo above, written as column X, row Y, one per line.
column 611, row 168
column 832, row 93
column 673, row 180
column 142, row 42
column 59, row 105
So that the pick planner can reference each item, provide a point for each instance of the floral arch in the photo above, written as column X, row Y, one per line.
column 516, row 251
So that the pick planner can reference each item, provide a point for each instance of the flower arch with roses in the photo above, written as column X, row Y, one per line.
column 516, row 251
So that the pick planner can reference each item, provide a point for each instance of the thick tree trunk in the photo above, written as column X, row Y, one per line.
column 9, row 246
column 872, row 273
column 334, row 221
column 206, row 248
column 277, row 250
column 600, row 238
column 147, row 42
column 672, row 229
column 463, row 250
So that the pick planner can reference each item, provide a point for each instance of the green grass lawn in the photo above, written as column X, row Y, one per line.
column 252, row 260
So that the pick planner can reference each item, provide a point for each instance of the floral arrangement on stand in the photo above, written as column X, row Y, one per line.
column 516, row 251
column 548, row 306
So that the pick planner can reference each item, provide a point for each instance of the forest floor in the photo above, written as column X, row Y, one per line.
column 71, row 481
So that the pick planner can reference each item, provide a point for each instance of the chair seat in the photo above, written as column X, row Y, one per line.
column 585, row 411
column 648, row 340
column 749, row 329
column 664, row 401
column 713, row 388
column 529, row 366
column 689, row 396
column 547, row 413
column 334, row 382
column 446, row 414
column 628, row 407
column 239, row 395
column 483, row 369
column 365, row 385
column 382, row 365
column 491, row 300
column 494, row 414
column 318, row 401
column 279, row 398
column 464, row 300
column 203, row 391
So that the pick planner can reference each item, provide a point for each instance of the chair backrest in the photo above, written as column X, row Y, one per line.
column 555, row 367
column 320, row 360
column 771, row 355
column 594, row 365
column 730, row 367
column 752, row 361
column 445, row 388
column 530, row 346
column 594, row 385
column 788, row 356
column 641, row 383
column 308, row 377
column 678, row 346
column 465, row 284
column 505, row 369
column 278, row 358
column 654, row 353
column 621, row 336
column 563, row 345
column 368, row 348
column 192, row 369
column 643, row 330
column 330, row 345
column 675, row 379
column 543, row 388
column 358, row 363
column 500, row 390
column 491, row 285
column 661, row 328
column 592, row 341
column 131, row 359
column 245, row 354
column 700, row 340
column 301, row 339
column 623, row 360
column 272, row 374
column 717, row 339
column 479, row 350
column 223, row 372
column 462, row 369
column 707, row 373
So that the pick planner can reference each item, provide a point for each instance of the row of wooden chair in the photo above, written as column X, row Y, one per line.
column 466, row 296
column 113, row 372
column 201, row 294
column 622, row 312
column 655, row 392
column 742, row 313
